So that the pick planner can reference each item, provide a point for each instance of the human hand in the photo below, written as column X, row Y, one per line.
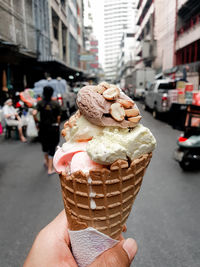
column 52, row 248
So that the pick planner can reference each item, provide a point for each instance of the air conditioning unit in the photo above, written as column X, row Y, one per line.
column 145, row 49
column 148, row 49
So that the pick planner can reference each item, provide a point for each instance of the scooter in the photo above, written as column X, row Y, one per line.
column 188, row 151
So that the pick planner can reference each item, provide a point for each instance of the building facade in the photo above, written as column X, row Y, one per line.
column 187, row 43
column 42, row 30
column 126, row 59
column 17, row 43
column 145, row 38
column 39, row 38
column 169, row 37
column 118, row 17
column 90, row 56
column 66, row 32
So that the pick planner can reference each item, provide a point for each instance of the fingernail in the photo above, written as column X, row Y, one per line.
column 130, row 247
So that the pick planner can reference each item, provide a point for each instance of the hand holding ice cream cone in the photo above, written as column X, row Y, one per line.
column 102, row 165
column 56, row 252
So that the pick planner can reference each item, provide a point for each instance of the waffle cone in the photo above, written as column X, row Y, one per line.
column 103, row 198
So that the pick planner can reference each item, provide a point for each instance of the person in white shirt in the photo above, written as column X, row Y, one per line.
column 12, row 118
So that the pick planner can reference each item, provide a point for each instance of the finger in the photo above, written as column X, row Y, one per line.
column 124, row 228
column 121, row 238
column 120, row 255
column 130, row 246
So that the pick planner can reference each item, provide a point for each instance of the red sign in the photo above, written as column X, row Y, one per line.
column 94, row 50
column 94, row 43
column 94, row 65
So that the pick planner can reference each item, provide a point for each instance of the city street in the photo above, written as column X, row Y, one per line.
column 164, row 220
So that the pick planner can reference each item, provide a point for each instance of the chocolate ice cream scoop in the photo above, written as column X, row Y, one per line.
column 102, row 112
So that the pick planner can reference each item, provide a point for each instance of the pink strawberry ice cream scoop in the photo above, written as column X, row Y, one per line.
column 62, row 157
column 81, row 161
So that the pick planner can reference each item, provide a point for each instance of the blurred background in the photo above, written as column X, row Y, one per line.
column 151, row 50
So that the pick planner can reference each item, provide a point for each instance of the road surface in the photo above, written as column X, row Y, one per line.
column 164, row 220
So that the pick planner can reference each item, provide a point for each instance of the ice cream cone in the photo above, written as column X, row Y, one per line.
column 103, row 198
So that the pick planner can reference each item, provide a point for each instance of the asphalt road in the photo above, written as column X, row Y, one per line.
column 164, row 220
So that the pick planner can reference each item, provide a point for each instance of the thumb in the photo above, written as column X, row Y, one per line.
column 120, row 255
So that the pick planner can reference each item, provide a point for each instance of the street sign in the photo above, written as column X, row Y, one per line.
column 87, row 57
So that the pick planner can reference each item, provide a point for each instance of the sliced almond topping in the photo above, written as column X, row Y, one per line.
column 135, row 119
column 66, row 124
column 63, row 133
column 66, row 133
column 105, row 85
column 100, row 89
column 124, row 228
column 111, row 93
column 77, row 114
column 117, row 112
column 133, row 112
column 84, row 140
column 72, row 121
column 125, row 103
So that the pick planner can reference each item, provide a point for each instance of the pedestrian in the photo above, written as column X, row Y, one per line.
column 52, row 248
column 12, row 118
column 185, row 70
column 49, row 132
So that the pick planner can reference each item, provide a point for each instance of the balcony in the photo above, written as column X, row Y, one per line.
column 188, row 9
column 144, row 21
column 189, row 36
column 138, row 49
column 148, row 50
column 143, row 10
column 181, row 3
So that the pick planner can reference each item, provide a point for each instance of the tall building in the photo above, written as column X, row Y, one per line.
column 118, row 17
column 90, row 56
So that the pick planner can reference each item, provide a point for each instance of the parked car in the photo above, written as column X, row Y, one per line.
column 188, row 151
column 157, row 98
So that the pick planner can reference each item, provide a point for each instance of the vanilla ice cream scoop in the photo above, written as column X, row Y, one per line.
column 114, row 144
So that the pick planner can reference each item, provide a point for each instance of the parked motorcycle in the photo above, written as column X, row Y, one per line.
column 188, row 151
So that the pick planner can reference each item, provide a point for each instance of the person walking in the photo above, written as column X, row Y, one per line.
column 49, row 131
column 13, row 119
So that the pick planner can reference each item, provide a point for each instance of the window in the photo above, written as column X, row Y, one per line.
column 55, row 20
column 167, row 86
column 72, row 19
column 73, row 48
column 62, row 3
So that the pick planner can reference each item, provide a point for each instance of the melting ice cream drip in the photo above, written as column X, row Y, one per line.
column 91, row 195
column 92, row 204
